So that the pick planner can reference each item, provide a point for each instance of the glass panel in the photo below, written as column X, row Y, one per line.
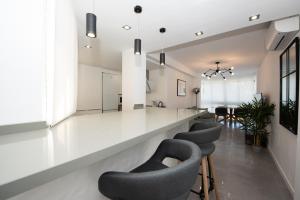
column 292, row 58
column 292, row 87
column 284, row 65
column 284, row 90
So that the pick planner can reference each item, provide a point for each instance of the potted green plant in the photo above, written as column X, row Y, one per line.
column 256, row 116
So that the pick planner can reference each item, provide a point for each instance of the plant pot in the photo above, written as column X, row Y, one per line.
column 264, row 141
column 249, row 139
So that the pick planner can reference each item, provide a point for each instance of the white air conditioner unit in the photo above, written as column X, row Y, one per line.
column 281, row 32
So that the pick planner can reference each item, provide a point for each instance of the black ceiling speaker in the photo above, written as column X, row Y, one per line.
column 162, row 55
column 138, row 42
column 138, row 9
column 91, row 21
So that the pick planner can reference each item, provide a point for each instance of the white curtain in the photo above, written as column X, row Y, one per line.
column 227, row 93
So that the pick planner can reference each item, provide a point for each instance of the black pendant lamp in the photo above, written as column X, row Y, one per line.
column 138, row 42
column 91, row 21
column 137, row 46
column 162, row 55
column 162, row 58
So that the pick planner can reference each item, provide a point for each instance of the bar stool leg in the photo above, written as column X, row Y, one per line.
column 204, row 174
column 214, row 177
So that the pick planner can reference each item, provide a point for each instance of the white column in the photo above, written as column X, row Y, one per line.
column 133, row 79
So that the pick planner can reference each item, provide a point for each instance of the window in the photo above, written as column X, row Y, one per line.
column 230, row 92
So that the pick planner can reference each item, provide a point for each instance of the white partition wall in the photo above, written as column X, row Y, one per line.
column 133, row 79
column 63, row 66
column 22, row 61
column 38, row 73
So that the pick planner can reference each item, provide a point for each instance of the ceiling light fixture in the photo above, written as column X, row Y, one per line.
column 254, row 17
column 221, row 71
column 126, row 27
column 199, row 33
column 91, row 23
column 162, row 55
column 137, row 41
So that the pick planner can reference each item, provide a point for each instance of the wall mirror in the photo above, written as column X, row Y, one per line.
column 289, row 86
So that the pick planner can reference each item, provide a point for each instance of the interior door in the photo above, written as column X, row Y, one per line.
column 111, row 88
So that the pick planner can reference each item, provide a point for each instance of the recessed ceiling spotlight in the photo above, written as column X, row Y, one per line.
column 254, row 17
column 88, row 46
column 126, row 27
column 199, row 33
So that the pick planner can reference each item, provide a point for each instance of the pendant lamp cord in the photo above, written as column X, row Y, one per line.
column 138, row 25
column 93, row 6
column 162, row 41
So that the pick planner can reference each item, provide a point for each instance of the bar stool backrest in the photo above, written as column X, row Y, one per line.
column 172, row 183
column 207, row 132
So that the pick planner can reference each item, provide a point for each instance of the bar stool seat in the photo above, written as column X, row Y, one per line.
column 149, row 166
column 207, row 149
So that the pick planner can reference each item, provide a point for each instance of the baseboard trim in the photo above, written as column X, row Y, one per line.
column 90, row 109
column 24, row 127
column 282, row 173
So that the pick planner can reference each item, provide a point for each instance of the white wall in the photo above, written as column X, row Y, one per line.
column 283, row 144
column 22, row 61
column 164, row 88
column 38, row 61
column 133, row 79
column 90, row 86
column 62, row 100
column 297, row 170
column 158, row 84
column 297, row 175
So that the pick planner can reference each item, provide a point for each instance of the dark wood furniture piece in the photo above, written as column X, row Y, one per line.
column 223, row 112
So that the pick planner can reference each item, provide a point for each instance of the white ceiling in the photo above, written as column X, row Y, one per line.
column 181, row 18
column 243, row 51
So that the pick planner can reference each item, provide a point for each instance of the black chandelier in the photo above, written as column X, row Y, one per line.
column 223, row 72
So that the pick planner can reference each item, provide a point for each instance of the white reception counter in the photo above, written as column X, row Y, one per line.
column 31, row 159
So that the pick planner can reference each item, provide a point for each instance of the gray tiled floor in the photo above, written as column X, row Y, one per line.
column 245, row 174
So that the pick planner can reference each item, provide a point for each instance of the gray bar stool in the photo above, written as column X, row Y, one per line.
column 153, row 180
column 204, row 134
